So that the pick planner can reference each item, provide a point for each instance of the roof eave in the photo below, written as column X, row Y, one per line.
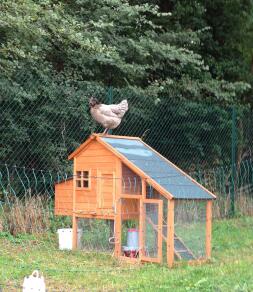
column 81, row 147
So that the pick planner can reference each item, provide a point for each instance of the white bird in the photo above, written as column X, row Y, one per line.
column 108, row 115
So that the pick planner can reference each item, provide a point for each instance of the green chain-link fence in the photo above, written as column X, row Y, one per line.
column 41, row 123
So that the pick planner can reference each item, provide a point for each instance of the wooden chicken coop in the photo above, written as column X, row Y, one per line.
column 124, row 181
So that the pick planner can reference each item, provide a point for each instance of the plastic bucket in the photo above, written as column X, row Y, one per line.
column 65, row 238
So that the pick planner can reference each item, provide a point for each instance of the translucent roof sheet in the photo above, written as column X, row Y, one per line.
column 159, row 169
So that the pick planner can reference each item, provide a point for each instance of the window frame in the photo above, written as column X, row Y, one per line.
column 81, row 178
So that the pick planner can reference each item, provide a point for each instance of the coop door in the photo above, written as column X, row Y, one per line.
column 151, row 230
column 106, row 189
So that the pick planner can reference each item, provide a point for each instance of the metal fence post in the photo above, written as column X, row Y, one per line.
column 233, row 163
column 110, row 99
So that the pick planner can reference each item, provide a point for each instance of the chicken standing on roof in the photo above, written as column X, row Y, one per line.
column 108, row 115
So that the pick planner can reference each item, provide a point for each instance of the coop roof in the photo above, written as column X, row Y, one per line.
column 151, row 165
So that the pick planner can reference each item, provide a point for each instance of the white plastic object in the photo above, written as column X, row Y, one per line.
column 65, row 238
column 133, row 239
column 34, row 282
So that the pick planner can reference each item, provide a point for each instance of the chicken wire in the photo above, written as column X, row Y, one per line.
column 190, row 229
column 50, row 124
column 130, row 218
column 40, row 124
column 151, row 230
column 151, row 193
column 96, row 235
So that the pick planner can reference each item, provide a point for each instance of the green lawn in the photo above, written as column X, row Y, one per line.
column 231, row 268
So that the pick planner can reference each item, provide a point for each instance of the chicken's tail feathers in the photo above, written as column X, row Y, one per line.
column 124, row 105
column 119, row 109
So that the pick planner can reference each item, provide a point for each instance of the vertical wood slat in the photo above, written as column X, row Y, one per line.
column 74, row 218
column 208, row 228
column 170, row 233
column 142, row 218
column 160, row 231
column 74, row 231
column 118, row 208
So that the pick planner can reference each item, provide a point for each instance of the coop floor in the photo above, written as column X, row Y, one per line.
column 230, row 270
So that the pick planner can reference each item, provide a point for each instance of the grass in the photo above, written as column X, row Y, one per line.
column 230, row 269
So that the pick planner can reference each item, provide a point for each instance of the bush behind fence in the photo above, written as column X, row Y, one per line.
column 42, row 122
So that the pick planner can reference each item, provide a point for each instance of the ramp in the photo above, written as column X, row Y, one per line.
column 182, row 252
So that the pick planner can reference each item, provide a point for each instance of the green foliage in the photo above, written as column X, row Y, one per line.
column 225, row 38
column 56, row 54
column 121, row 44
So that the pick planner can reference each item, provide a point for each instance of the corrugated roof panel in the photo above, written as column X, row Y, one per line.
column 159, row 169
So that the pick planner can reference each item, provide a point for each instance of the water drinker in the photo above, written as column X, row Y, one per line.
column 132, row 247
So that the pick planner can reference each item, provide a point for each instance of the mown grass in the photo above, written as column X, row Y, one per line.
column 231, row 268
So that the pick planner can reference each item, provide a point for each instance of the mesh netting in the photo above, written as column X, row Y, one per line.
column 190, row 229
column 96, row 235
column 151, row 230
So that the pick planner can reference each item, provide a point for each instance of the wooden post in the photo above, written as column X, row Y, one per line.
column 142, row 219
column 117, row 222
column 74, row 218
column 74, row 230
column 160, row 231
column 170, row 233
column 118, row 208
column 208, row 228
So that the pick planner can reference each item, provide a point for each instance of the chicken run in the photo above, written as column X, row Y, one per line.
column 139, row 204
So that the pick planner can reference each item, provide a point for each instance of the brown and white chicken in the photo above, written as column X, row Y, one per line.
column 108, row 115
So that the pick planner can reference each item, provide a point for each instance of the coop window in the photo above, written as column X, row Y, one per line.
column 83, row 179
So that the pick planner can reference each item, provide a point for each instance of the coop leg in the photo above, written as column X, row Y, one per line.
column 170, row 234
column 117, row 222
column 74, row 230
column 208, row 228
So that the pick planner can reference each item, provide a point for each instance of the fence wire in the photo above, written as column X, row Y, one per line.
column 42, row 123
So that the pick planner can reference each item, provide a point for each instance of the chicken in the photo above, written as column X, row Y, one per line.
column 108, row 115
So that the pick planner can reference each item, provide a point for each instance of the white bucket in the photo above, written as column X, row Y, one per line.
column 65, row 238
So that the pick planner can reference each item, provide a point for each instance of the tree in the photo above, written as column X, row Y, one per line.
column 54, row 54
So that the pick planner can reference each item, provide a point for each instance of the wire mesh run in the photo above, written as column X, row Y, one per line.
column 95, row 235
column 151, row 230
column 190, row 229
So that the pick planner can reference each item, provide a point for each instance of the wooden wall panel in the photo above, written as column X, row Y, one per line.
column 101, row 162
column 63, row 198
column 104, row 178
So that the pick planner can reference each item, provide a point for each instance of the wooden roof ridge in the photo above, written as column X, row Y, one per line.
column 93, row 137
